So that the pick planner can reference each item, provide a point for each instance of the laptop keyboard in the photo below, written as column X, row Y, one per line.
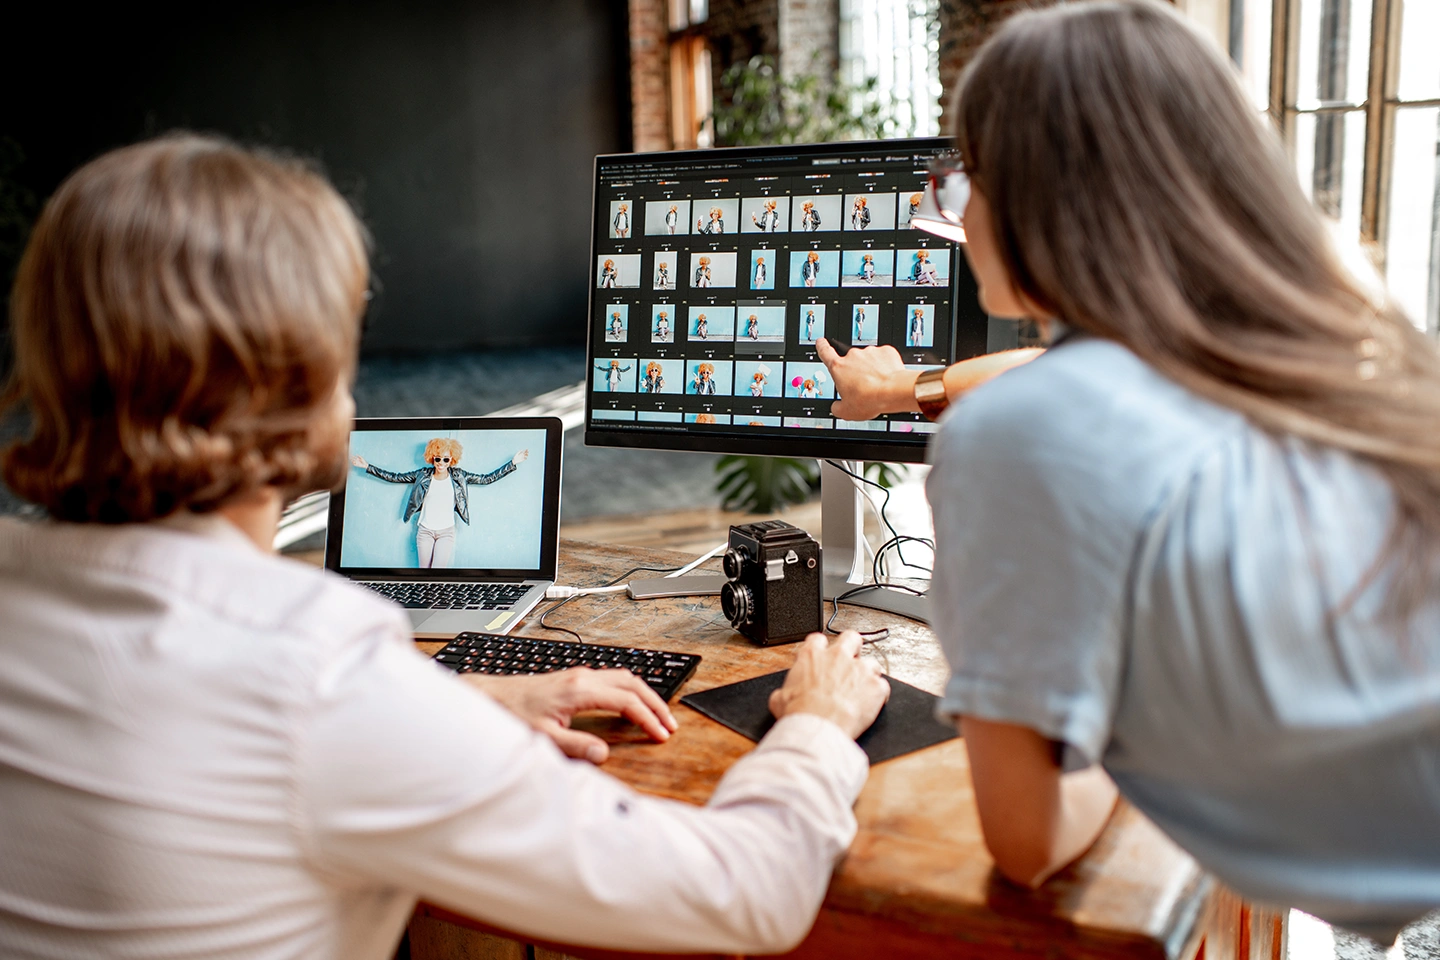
column 502, row 655
column 449, row 596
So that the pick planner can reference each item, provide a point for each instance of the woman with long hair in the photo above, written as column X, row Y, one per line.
column 1190, row 551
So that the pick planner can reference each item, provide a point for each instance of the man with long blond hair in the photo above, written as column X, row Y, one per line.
column 439, row 492
column 210, row 751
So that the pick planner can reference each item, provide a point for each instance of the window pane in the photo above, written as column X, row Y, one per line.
column 895, row 43
column 1419, row 67
column 1412, row 243
column 1330, row 160
column 1250, row 47
column 1334, row 51
column 699, row 11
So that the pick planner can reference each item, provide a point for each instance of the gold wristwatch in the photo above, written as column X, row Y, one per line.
column 930, row 393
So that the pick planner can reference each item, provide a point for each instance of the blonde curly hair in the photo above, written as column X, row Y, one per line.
column 441, row 446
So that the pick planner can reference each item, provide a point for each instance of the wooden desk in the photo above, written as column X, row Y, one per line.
column 918, row 881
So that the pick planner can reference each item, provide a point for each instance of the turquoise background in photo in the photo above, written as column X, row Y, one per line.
column 624, row 310
column 769, row 256
column 721, row 376
column 850, row 261
column 770, row 322
column 928, row 337
column 829, row 268
column 672, row 372
column 819, row 330
column 505, row 516
column 905, row 265
column 745, row 371
column 601, row 378
column 719, row 322
column 808, row 371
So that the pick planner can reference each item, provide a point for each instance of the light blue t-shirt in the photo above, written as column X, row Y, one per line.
column 1147, row 578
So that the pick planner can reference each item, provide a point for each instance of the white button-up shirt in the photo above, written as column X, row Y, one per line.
column 207, row 750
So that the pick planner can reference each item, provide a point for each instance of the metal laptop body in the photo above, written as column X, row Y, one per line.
column 505, row 533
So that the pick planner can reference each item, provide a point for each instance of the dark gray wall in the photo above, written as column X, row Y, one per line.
column 464, row 132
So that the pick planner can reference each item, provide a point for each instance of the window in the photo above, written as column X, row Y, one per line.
column 690, row 93
column 1355, row 87
column 897, row 42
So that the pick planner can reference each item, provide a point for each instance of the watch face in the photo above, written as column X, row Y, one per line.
column 930, row 393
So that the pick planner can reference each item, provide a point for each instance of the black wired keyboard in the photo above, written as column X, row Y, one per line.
column 498, row 654
column 449, row 596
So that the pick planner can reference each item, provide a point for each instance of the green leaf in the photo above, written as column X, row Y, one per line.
column 764, row 484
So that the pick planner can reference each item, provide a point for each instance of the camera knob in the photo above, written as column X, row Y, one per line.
column 732, row 562
column 737, row 603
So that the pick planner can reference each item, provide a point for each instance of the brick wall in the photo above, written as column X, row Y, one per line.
column 650, row 75
column 740, row 29
column 809, row 37
column 964, row 26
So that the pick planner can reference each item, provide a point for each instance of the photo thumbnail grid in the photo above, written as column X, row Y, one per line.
column 710, row 294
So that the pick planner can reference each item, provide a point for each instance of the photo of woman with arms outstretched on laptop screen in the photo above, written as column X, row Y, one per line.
column 210, row 750
column 1189, row 554
column 438, row 495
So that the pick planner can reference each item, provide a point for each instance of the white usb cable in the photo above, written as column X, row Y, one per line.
column 558, row 592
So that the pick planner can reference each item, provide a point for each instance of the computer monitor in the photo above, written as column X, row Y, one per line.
column 715, row 271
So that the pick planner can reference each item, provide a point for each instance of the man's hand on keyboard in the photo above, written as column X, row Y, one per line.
column 548, row 701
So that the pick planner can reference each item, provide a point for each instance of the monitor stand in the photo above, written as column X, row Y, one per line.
column 842, row 538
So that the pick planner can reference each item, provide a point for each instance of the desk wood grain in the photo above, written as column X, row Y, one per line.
column 918, row 880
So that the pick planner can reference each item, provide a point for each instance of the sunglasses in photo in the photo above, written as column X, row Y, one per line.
column 942, row 206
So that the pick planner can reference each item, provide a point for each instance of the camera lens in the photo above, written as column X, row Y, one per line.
column 731, row 563
column 735, row 603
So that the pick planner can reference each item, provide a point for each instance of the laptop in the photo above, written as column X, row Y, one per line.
column 457, row 519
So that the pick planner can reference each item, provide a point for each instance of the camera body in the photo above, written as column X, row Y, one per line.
column 772, row 593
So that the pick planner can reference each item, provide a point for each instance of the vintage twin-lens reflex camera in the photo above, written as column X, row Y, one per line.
column 773, row 593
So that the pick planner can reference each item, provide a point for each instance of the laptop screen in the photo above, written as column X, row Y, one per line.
column 449, row 501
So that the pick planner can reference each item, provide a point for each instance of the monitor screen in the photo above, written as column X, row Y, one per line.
column 715, row 272
column 445, row 496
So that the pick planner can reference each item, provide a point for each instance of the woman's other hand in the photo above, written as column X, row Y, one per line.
column 520, row 457
column 549, row 701
column 830, row 680
column 868, row 380
column 359, row 461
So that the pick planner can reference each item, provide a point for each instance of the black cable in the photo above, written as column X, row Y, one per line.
column 620, row 579
column 896, row 540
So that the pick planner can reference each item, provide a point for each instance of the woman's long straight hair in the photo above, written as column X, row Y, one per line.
column 1140, row 197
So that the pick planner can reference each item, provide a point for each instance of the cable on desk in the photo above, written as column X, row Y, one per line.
column 618, row 580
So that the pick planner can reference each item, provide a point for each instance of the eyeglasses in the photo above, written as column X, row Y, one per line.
column 942, row 207
column 441, row 460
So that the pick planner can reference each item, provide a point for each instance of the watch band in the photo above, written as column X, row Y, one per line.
column 930, row 393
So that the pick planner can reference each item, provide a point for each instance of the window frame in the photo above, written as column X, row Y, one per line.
column 1380, row 106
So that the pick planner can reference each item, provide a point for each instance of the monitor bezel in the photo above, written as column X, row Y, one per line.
column 550, row 513
column 838, row 444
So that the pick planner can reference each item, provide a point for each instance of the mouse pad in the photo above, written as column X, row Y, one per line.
column 906, row 723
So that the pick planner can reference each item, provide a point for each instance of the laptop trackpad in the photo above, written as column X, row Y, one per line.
column 418, row 617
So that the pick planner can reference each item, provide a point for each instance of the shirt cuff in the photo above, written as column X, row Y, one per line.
column 824, row 740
